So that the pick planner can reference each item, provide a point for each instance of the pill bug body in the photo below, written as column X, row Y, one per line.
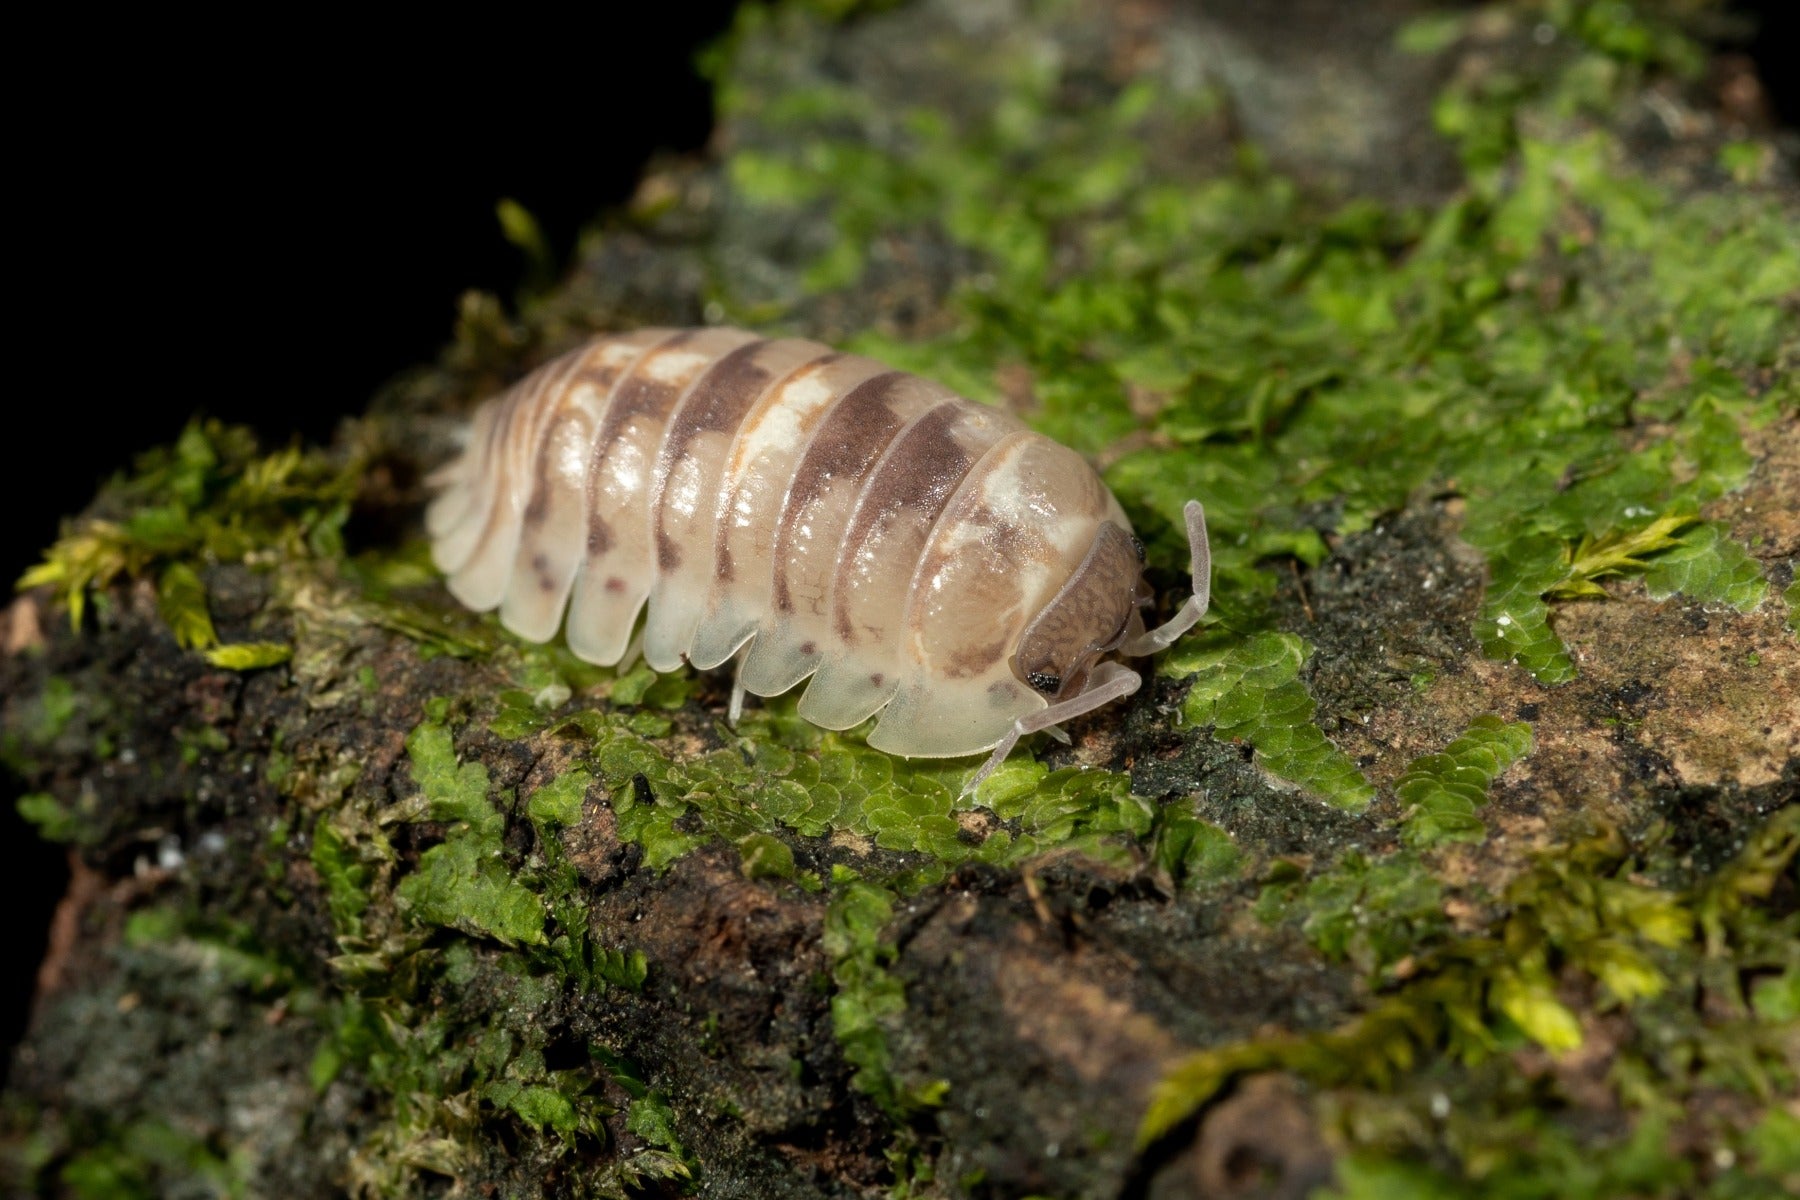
column 816, row 516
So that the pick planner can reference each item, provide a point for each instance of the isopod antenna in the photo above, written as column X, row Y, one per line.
column 1200, row 552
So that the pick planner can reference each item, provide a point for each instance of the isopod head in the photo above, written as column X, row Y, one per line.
column 1089, row 617
column 1065, row 656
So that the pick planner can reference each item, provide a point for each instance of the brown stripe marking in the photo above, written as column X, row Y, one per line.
column 724, row 566
column 633, row 396
column 921, row 472
column 525, row 423
column 639, row 396
column 720, row 398
column 601, row 378
column 718, row 401
column 852, row 437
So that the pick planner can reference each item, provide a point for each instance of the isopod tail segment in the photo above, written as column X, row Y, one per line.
column 1111, row 680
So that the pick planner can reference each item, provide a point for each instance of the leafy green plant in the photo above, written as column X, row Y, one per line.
column 1578, row 916
column 1251, row 690
column 1442, row 791
column 210, row 497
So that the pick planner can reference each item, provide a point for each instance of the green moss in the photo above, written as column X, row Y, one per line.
column 223, row 950
column 1250, row 690
column 345, row 878
column 766, row 857
column 1442, row 791
column 1298, row 353
column 558, row 803
column 143, row 1159
column 249, row 656
column 53, row 708
column 651, row 1118
column 432, row 624
column 37, row 720
column 1774, row 1141
column 1542, row 1160
column 150, row 925
column 783, row 777
column 181, row 600
column 1195, row 852
column 1310, row 365
column 452, row 1032
column 868, row 996
column 1707, row 566
column 1583, row 936
column 1673, row 553
column 1372, row 914
column 464, row 881
column 200, row 741
column 445, row 1071
column 54, row 823
column 209, row 498
column 1514, row 625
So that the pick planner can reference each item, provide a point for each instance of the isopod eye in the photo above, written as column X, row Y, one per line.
column 1047, row 684
column 1139, row 547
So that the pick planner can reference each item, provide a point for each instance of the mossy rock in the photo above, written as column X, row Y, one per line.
column 1453, row 855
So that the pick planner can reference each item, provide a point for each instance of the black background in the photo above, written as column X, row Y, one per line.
column 266, row 225
column 267, row 231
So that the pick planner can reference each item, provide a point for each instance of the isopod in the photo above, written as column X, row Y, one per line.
column 814, row 516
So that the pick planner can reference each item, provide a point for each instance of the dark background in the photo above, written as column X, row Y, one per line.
column 268, row 230
column 266, row 233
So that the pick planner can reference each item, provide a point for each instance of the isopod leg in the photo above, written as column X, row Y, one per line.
column 633, row 649
column 1110, row 681
column 738, row 691
column 1200, row 559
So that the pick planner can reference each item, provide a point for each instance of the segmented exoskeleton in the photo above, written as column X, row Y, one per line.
column 816, row 516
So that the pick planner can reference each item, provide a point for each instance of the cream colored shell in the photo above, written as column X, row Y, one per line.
column 818, row 515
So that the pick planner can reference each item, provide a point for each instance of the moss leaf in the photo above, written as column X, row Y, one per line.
column 1249, row 690
column 766, row 857
column 868, row 995
column 1514, row 623
column 1199, row 1077
column 536, row 1105
column 1531, row 1004
column 622, row 968
column 1442, row 791
column 652, row 1119
column 1706, row 565
column 463, row 884
column 1196, row 852
column 54, row 822
column 1368, row 1177
column 1775, row 1139
column 558, row 803
column 181, row 601
column 249, row 656
column 346, row 879
column 1371, row 913
column 452, row 792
